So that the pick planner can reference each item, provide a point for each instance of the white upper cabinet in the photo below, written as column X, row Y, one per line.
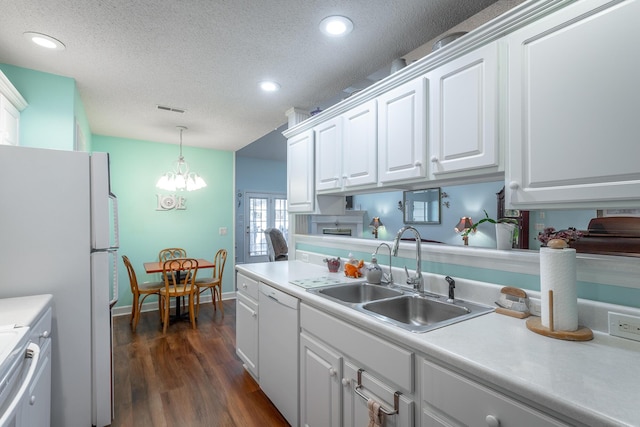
column 300, row 173
column 346, row 150
column 9, row 122
column 402, row 145
column 463, row 112
column 360, row 144
column 11, row 104
column 301, row 178
column 573, row 105
column 328, row 137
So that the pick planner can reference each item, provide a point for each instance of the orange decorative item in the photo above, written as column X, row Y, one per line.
column 353, row 270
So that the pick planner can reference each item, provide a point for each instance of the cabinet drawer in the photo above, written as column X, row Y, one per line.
column 247, row 286
column 356, row 412
column 395, row 364
column 453, row 400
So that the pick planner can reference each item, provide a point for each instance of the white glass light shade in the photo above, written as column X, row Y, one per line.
column 180, row 178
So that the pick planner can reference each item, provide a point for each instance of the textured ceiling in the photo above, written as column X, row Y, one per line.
column 207, row 57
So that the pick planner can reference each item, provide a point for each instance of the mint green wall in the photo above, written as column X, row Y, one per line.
column 48, row 120
column 144, row 231
column 82, row 121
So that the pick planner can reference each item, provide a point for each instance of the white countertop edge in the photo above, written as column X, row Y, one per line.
column 437, row 344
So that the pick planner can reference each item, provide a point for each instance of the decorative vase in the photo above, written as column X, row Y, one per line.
column 373, row 272
column 333, row 264
column 504, row 235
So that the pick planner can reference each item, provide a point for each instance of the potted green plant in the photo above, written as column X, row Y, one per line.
column 506, row 230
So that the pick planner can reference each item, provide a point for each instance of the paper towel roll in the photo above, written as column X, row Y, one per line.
column 558, row 274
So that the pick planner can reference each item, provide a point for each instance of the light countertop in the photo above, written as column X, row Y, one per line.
column 594, row 382
column 23, row 311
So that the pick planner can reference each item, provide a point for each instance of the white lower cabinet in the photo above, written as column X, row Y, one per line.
column 320, row 384
column 332, row 352
column 247, row 323
column 399, row 407
column 452, row 400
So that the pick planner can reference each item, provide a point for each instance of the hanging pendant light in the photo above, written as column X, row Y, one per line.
column 180, row 178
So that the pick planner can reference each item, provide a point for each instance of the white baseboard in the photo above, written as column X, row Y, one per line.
column 125, row 310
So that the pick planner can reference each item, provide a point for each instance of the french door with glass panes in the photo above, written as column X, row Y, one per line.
column 263, row 211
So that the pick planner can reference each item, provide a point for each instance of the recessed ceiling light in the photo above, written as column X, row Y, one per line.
column 336, row 26
column 44, row 40
column 268, row 86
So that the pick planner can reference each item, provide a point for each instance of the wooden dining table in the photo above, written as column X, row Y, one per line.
column 157, row 267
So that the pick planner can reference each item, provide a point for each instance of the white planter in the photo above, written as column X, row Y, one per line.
column 504, row 235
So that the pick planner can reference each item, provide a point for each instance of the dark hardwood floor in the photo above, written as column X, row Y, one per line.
column 187, row 377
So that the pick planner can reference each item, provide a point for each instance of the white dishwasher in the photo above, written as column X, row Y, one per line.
column 278, row 355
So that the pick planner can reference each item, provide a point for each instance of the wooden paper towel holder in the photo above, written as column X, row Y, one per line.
column 535, row 324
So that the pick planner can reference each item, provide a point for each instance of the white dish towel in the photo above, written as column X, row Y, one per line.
column 375, row 415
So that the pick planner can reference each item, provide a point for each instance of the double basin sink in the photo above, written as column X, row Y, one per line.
column 406, row 309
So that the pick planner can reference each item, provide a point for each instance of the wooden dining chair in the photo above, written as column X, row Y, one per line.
column 140, row 289
column 214, row 283
column 178, row 286
column 171, row 253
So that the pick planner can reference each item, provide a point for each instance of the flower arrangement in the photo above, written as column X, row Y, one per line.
column 568, row 235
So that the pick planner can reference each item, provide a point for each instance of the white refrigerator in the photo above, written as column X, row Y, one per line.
column 58, row 235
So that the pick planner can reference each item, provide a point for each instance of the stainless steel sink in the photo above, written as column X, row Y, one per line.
column 355, row 293
column 416, row 311
column 406, row 309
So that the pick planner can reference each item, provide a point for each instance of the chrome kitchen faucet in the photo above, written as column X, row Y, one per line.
column 416, row 281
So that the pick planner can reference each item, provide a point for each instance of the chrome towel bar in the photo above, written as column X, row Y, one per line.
column 396, row 396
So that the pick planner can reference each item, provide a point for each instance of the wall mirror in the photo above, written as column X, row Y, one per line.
column 422, row 206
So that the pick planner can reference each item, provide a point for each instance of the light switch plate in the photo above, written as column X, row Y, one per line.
column 624, row 325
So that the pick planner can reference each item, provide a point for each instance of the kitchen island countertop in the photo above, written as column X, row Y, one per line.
column 594, row 382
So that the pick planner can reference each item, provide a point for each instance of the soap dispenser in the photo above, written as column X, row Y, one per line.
column 373, row 272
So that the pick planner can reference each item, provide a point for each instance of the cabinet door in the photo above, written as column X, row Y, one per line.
column 356, row 411
column 360, row 146
column 463, row 108
column 573, row 104
column 402, row 132
column 453, row 400
column 247, row 333
column 328, row 140
column 301, row 173
column 9, row 122
column 320, row 387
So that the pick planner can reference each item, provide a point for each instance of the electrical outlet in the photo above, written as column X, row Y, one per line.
column 222, row 231
column 539, row 226
column 305, row 257
column 624, row 325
